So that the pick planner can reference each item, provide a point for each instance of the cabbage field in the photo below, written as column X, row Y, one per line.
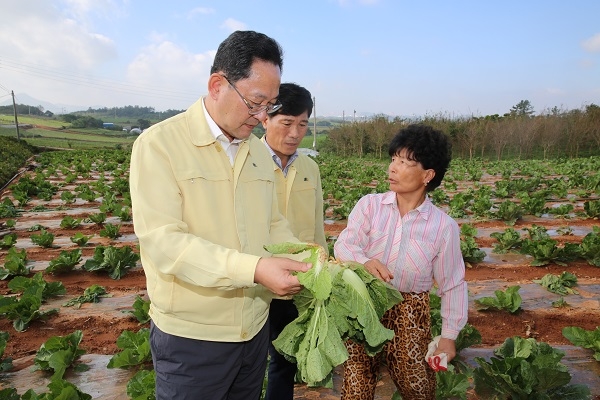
column 72, row 290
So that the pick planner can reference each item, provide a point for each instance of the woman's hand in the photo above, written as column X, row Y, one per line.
column 446, row 346
column 380, row 271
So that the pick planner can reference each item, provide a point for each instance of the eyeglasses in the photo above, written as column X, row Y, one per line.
column 254, row 108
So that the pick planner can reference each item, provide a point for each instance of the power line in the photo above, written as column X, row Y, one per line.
column 90, row 81
column 5, row 88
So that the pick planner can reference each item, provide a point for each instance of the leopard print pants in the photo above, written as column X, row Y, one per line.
column 404, row 354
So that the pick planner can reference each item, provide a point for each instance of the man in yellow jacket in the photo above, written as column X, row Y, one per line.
column 204, row 205
column 300, row 199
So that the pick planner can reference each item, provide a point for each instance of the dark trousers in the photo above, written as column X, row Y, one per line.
column 281, row 372
column 188, row 369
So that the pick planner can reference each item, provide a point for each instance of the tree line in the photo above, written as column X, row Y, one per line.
column 24, row 109
column 134, row 112
column 517, row 134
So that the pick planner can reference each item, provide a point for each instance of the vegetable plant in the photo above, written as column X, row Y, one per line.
column 547, row 251
column 36, row 227
column 65, row 262
column 8, row 241
column 22, row 284
column 116, row 261
column 533, row 204
column 124, row 213
column 502, row 189
column 526, row 369
column 508, row 240
column 589, row 248
column 92, row 294
column 470, row 250
column 80, row 239
column 339, row 301
column 482, row 202
column 560, row 284
column 560, row 303
column 97, row 218
column 142, row 385
column 458, row 204
column 537, row 232
column 592, row 208
column 67, row 197
column 68, row 222
column 109, row 203
column 135, row 349
column 59, row 353
column 438, row 197
column 5, row 363
column 509, row 300
column 59, row 389
column 562, row 210
column 25, row 309
column 110, row 231
column 43, row 239
column 509, row 212
column 140, row 310
column 15, row 264
column 584, row 338
column 451, row 385
column 8, row 209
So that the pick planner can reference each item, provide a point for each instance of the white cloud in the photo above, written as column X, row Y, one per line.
column 592, row 44
column 200, row 10
column 40, row 33
column 233, row 25
column 163, row 64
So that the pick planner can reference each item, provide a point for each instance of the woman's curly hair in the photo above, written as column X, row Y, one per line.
column 426, row 145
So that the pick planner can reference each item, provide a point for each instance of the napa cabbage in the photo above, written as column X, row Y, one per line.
column 339, row 301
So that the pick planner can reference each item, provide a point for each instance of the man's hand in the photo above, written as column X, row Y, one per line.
column 275, row 273
column 378, row 270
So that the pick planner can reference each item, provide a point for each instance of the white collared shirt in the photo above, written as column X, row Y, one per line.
column 230, row 148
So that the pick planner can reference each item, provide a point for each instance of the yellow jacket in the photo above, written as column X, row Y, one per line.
column 201, row 225
column 300, row 197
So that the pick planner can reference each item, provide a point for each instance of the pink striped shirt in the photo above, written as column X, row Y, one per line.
column 419, row 248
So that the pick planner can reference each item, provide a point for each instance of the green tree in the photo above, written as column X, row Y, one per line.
column 144, row 123
column 521, row 109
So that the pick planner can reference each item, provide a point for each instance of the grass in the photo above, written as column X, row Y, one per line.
column 10, row 120
column 307, row 142
column 64, row 140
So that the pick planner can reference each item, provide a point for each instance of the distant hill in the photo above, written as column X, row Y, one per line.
column 58, row 108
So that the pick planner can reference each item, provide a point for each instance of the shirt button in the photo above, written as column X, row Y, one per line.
column 244, row 335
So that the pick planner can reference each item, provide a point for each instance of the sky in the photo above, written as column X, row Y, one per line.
column 357, row 57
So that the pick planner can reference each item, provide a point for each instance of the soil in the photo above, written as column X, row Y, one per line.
column 100, row 330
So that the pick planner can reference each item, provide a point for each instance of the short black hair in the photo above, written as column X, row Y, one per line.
column 426, row 145
column 295, row 99
column 236, row 54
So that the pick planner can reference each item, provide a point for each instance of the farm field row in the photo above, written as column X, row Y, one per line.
column 80, row 186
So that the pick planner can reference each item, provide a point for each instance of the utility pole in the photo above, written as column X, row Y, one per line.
column 314, row 123
column 15, row 111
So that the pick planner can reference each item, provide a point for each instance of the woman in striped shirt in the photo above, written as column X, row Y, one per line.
column 403, row 239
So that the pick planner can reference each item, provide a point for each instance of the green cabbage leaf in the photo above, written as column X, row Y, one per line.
column 339, row 301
